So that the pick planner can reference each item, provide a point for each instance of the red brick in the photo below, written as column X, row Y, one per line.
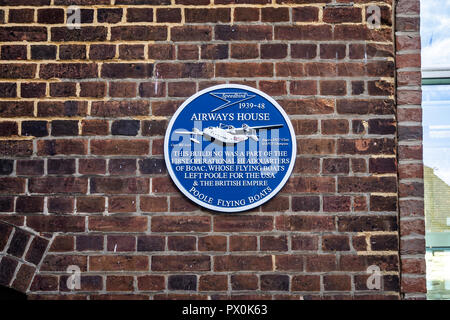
column 243, row 243
column 119, row 263
column 212, row 243
column 337, row 282
column 180, row 224
column 242, row 263
column 119, row 283
column 305, row 223
column 56, row 223
column 213, row 283
column 181, row 243
column 244, row 282
column 151, row 283
column 116, row 224
column 122, row 204
column 181, row 263
column 305, row 283
column 242, row 223
column 120, row 147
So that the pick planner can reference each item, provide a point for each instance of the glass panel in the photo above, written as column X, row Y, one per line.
column 436, row 140
column 434, row 26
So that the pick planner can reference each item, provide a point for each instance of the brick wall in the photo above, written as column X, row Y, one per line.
column 83, row 113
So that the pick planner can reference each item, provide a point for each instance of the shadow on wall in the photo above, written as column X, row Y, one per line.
column 8, row 294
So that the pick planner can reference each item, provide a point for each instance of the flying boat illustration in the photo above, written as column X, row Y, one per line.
column 227, row 133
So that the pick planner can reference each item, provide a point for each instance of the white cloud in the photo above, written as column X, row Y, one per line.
column 435, row 26
column 436, row 55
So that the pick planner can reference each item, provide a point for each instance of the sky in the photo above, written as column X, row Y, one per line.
column 435, row 32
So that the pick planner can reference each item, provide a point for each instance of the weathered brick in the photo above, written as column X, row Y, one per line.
column 139, row 33
column 117, row 223
column 243, row 223
column 182, row 282
column 181, row 263
column 242, row 263
column 119, row 263
column 120, row 147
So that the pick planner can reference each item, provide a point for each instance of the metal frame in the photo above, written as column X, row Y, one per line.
column 436, row 76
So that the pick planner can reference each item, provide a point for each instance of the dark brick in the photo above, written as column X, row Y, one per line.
column 51, row 16
column 7, row 269
column 306, row 203
column 303, row 51
column 181, row 243
column 44, row 283
column 139, row 33
column 5, row 231
column 150, row 243
column 332, row 51
column 382, row 126
column 380, row 203
column 382, row 165
column 274, row 282
column 43, row 52
column 335, row 166
column 8, row 128
column 30, row 167
column 131, row 52
column 384, row 242
column 214, row 51
column 21, row 15
column 102, row 51
column 72, row 52
column 168, row 15
column 36, row 250
column 23, row 34
column 34, row 128
column 154, row 127
column 244, row 282
column 109, row 15
column 125, row 127
column 64, row 128
column 60, row 204
column 61, row 166
column 87, row 15
column 6, row 205
column 152, row 166
column 122, row 166
column 8, row 90
column 273, row 51
column 89, row 243
column 30, row 204
column 274, row 14
column 335, row 243
column 6, row 166
column 63, row 89
column 33, row 90
column 139, row 14
column 182, row 282
column 121, row 243
column 14, row 53
column 305, row 14
column 127, row 70
column 92, row 166
column 68, row 70
column 18, row 243
column 23, row 278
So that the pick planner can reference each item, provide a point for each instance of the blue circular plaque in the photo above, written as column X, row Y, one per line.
column 230, row 148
